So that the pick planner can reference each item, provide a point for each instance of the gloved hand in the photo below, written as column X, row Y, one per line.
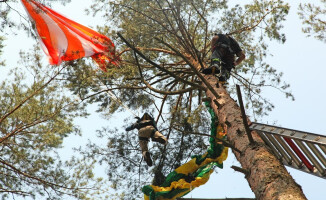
column 129, row 128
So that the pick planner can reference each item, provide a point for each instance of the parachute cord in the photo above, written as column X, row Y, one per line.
column 120, row 102
column 115, row 98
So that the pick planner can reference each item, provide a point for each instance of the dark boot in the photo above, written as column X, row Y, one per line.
column 224, row 76
column 147, row 158
column 211, row 70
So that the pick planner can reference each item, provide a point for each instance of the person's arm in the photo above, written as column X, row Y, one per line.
column 238, row 51
column 131, row 127
column 241, row 57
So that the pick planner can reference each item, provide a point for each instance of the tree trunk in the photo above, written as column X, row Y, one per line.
column 267, row 177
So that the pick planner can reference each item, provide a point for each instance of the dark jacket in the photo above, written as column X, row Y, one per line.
column 146, row 120
column 226, row 48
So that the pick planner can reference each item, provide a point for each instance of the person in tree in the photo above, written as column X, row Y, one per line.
column 147, row 129
column 224, row 48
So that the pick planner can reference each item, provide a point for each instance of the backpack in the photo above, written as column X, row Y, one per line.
column 224, row 42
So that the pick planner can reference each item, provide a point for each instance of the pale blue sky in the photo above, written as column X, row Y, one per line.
column 300, row 58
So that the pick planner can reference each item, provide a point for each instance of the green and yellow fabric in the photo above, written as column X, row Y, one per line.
column 195, row 172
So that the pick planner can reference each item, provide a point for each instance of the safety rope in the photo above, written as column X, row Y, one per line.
column 115, row 98
column 120, row 102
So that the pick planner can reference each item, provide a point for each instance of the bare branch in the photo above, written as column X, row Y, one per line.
column 161, row 108
column 225, row 143
column 159, row 67
column 239, row 169
column 111, row 89
column 160, row 165
column 202, row 78
column 148, row 49
column 160, row 91
column 321, row 21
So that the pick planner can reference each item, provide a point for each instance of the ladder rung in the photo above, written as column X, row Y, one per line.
column 279, row 148
column 317, row 153
column 266, row 140
column 289, row 151
column 323, row 148
column 305, row 161
column 310, row 156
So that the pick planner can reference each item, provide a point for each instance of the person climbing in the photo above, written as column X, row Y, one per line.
column 224, row 48
column 147, row 129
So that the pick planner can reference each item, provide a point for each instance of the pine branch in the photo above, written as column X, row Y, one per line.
column 42, row 181
column 19, row 192
column 30, row 96
column 248, row 28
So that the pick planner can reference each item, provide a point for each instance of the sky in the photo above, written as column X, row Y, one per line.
column 301, row 59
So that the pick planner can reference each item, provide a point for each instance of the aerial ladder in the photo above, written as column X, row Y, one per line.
column 297, row 149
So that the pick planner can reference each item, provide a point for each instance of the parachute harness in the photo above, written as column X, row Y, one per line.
column 195, row 172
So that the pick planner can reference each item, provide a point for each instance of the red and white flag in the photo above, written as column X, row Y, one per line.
column 63, row 39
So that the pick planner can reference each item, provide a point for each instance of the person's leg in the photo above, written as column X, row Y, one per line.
column 144, row 134
column 214, row 67
column 216, row 58
column 158, row 137
column 144, row 148
column 225, row 73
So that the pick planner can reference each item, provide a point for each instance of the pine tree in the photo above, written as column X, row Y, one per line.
column 36, row 115
column 163, row 46
column 313, row 17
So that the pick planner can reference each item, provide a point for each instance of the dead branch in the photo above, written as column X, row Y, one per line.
column 148, row 49
column 159, row 67
column 225, row 143
column 160, row 165
column 202, row 78
column 241, row 170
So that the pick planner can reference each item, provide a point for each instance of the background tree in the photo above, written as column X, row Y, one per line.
column 35, row 117
column 36, row 114
column 313, row 17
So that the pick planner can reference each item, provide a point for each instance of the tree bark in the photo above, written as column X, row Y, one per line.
column 267, row 177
